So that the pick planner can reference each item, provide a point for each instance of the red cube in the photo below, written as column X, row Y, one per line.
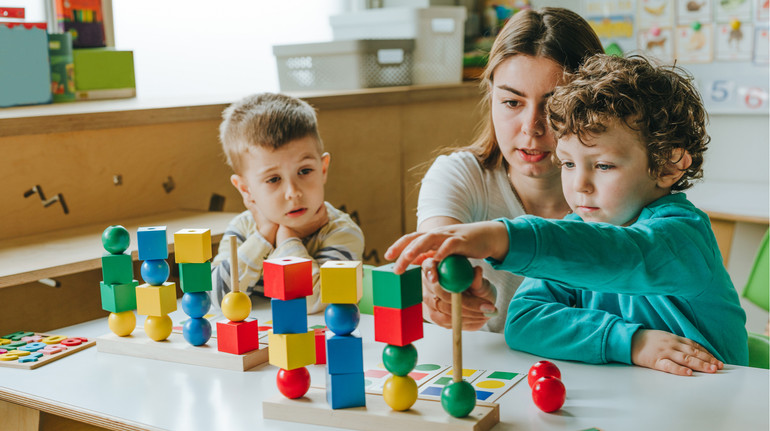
column 237, row 337
column 287, row 278
column 320, row 345
column 398, row 327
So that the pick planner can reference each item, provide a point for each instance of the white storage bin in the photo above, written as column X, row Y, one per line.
column 438, row 34
column 344, row 64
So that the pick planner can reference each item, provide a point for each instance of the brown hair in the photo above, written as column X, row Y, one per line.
column 266, row 120
column 659, row 102
column 554, row 33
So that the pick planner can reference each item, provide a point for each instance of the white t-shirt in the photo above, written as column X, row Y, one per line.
column 457, row 186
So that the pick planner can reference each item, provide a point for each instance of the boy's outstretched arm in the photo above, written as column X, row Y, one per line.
column 478, row 240
column 664, row 351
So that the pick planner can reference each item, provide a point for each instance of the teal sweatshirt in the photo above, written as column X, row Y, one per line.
column 592, row 285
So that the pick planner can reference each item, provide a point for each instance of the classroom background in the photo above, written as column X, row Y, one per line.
column 154, row 153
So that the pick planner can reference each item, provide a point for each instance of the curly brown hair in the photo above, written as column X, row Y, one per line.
column 659, row 102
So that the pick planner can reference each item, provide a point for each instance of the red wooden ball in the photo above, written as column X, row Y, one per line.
column 542, row 369
column 549, row 394
column 293, row 383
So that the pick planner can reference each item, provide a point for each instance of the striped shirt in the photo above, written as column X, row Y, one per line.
column 339, row 239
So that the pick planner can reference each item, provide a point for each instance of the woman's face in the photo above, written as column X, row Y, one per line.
column 520, row 90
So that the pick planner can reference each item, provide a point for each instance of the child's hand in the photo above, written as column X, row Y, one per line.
column 477, row 301
column 265, row 227
column 664, row 351
column 319, row 219
column 477, row 240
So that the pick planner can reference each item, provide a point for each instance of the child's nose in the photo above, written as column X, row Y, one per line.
column 583, row 183
column 293, row 191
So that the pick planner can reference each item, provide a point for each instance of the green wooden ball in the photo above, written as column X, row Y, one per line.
column 399, row 360
column 458, row 399
column 455, row 273
column 115, row 239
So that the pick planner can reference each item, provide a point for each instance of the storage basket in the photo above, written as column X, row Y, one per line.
column 438, row 33
column 344, row 64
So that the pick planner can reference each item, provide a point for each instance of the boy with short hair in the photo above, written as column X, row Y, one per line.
column 634, row 274
column 272, row 143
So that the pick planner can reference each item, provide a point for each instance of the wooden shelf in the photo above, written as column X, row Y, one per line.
column 69, row 251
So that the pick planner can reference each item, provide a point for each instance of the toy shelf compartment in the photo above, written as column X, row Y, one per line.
column 344, row 64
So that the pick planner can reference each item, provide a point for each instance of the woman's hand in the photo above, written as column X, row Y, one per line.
column 478, row 301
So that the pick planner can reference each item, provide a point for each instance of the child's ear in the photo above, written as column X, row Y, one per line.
column 325, row 159
column 678, row 163
column 241, row 186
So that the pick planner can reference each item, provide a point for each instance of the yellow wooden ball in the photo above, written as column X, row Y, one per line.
column 400, row 392
column 158, row 327
column 123, row 323
column 236, row 306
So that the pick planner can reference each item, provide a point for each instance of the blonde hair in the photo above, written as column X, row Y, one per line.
column 554, row 33
column 266, row 120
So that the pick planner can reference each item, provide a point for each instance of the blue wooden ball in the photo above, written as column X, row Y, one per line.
column 196, row 304
column 155, row 272
column 196, row 331
column 342, row 319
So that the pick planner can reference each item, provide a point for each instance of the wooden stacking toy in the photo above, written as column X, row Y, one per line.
column 238, row 335
column 118, row 285
column 455, row 274
column 192, row 253
column 292, row 347
column 156, row 298
column 397, row 303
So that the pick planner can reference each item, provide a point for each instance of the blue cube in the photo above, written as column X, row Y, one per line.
column 152, row 243
column 289, row 317
column 345, row 390
column 344, row 353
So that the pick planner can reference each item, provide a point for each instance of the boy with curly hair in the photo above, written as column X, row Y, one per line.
column 634, row 274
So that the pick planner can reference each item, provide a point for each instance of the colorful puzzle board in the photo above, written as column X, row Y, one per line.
column 425, row 414
column 35, row 357
column 490, row 385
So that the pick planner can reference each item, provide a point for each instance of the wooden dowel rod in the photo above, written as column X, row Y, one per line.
column 457, row 337
column 234, row 265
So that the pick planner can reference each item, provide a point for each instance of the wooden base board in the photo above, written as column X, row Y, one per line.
column 47, row 359
column 425, row 415
column 177, row 349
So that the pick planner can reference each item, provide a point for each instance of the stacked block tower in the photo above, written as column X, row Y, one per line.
column 193, row 253
column 156, row 298
column 342, row 288
column 397, row 301
column 237, row 336
column 118, row 285
column 288, row 281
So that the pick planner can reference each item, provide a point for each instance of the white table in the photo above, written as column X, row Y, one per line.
column 124, row 393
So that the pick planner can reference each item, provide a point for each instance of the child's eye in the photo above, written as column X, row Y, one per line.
column 305, row 171
column 603, row 166
column 273, row 180
column 568, row 165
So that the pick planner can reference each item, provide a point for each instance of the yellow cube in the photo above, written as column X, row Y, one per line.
column 155, row 300
column 290, row 351
column 341, row 282
column 192, row 246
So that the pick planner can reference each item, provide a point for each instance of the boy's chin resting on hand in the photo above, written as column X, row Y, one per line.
column 664, row 351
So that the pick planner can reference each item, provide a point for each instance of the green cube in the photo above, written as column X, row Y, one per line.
column 117, row 268
column 396, row 291
column 103, row 68
column 365, row 305
column 195, row 277
column 117, row 298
